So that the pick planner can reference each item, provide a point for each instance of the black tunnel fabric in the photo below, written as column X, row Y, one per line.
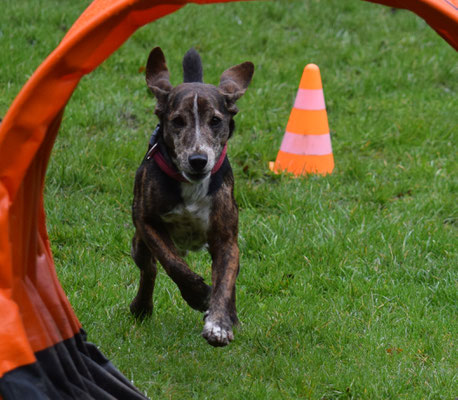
column 70, row 370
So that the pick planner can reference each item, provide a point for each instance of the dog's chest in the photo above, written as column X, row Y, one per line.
column 188, row 222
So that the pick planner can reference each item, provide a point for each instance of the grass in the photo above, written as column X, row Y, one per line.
column 348, row 282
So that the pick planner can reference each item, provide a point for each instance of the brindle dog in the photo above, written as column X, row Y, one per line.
column 183, row 195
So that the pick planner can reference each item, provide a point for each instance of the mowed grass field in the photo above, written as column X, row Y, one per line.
column 348, row 283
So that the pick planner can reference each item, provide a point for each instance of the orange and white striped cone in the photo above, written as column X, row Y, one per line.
column 306, row 146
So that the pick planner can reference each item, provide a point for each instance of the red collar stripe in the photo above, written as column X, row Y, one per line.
column 220, row 160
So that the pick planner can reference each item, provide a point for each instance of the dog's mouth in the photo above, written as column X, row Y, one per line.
column 195, row 177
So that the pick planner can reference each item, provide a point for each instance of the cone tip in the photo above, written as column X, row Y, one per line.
column 311, row 77
column 312, row 67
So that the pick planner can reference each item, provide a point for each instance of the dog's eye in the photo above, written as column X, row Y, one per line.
column 178, row 122
column 215, row 122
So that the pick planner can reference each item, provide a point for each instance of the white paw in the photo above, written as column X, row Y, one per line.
column 217, row 335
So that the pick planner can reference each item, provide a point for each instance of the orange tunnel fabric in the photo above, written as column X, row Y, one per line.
column 441, row 15
column 34, row 311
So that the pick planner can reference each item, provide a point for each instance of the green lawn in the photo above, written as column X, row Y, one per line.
column 348, row 283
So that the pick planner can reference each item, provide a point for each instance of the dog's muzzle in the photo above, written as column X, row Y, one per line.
column 198, row 162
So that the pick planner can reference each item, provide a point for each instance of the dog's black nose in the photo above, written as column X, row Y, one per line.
column 198, row 161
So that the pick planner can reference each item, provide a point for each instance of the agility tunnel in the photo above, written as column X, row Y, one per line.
column 43, row 349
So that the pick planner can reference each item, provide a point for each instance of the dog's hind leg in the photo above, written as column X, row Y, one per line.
column 142, row 304
column 192, row 286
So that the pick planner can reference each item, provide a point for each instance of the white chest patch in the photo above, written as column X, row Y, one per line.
column 188, row 222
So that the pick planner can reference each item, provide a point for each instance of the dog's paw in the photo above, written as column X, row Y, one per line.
column 197, row 296
column 141, row 310
column 217, row 333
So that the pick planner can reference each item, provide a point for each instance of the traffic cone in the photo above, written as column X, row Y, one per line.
column 306, row 146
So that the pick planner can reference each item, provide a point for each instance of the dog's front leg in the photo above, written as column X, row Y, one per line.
column 192, row 286
column 221, row 314
column 142, row 304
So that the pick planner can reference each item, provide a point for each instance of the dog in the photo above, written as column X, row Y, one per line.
column 184, row 192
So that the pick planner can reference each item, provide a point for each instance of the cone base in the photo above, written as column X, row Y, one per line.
column 302, row 164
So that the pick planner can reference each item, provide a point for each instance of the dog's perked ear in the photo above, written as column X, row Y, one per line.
column 192, row 67
column 157, row 77
column 234, row 82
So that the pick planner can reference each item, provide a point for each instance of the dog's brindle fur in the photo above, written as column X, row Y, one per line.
column 172, row 217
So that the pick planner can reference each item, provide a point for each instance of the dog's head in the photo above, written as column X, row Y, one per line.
column 196, row 118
